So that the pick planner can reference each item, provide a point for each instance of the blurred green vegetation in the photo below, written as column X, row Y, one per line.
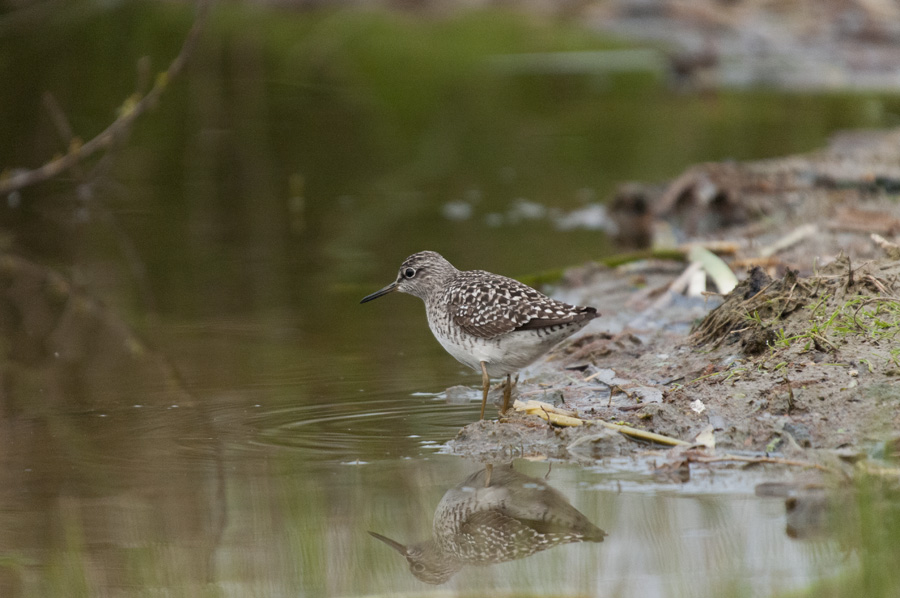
column 296, row 161
column 302, row 155
column 318, row 140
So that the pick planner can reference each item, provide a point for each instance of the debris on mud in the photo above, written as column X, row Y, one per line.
column 800, row 362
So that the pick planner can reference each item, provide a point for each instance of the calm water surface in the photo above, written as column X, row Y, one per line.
column 265, row 422
column 234, row 486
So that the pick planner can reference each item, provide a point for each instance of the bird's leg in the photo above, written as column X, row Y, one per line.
column 488, row 469
column 507, row 394
column 486, row 382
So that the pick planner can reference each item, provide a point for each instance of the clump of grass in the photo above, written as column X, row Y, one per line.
column 819, row 313
column 874, row 318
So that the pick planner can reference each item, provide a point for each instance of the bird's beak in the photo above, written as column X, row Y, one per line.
column 392, row 543
column 388, row 289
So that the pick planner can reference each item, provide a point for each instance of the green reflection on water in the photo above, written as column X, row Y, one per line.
column 303, row 155
column 306, row 150
column 299, row 159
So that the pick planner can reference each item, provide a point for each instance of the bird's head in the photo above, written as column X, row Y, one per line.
column 420, row 274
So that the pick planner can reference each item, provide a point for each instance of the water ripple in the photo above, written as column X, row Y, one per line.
column 364, row 429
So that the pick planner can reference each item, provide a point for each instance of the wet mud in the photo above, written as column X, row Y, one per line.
column 798, row 365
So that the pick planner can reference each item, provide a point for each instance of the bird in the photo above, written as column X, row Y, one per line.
column 493, row 516
column 488, row 322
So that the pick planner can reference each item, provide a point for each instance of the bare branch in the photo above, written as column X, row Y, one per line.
column 129, row 113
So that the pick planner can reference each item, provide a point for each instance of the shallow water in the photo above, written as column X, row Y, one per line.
column 266, row 421
column 245, row 492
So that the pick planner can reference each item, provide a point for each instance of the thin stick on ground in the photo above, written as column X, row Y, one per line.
column 560, row 417
column 642, row 434
column 775, row 460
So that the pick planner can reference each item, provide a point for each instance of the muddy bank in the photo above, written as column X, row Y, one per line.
column 798, row 45
column 800, row 361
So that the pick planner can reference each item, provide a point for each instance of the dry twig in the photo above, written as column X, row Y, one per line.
column 131, row 111
column 776, row 460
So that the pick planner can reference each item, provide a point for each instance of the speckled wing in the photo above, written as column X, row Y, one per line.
column 488, row 305
column 495, row 537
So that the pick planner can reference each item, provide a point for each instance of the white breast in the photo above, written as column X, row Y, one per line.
column 503, row 354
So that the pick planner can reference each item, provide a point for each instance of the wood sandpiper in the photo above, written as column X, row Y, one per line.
column 486, row 321
column 494, row 516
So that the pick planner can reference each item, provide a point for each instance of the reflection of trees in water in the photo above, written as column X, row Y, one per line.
column 96, row 465
column 493, row 516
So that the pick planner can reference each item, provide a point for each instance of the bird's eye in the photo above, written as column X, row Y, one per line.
column 409, row 272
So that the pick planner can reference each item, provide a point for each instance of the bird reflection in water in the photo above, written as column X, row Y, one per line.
column 495, row 515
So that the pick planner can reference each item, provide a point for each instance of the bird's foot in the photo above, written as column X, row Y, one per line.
column 508, row 387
